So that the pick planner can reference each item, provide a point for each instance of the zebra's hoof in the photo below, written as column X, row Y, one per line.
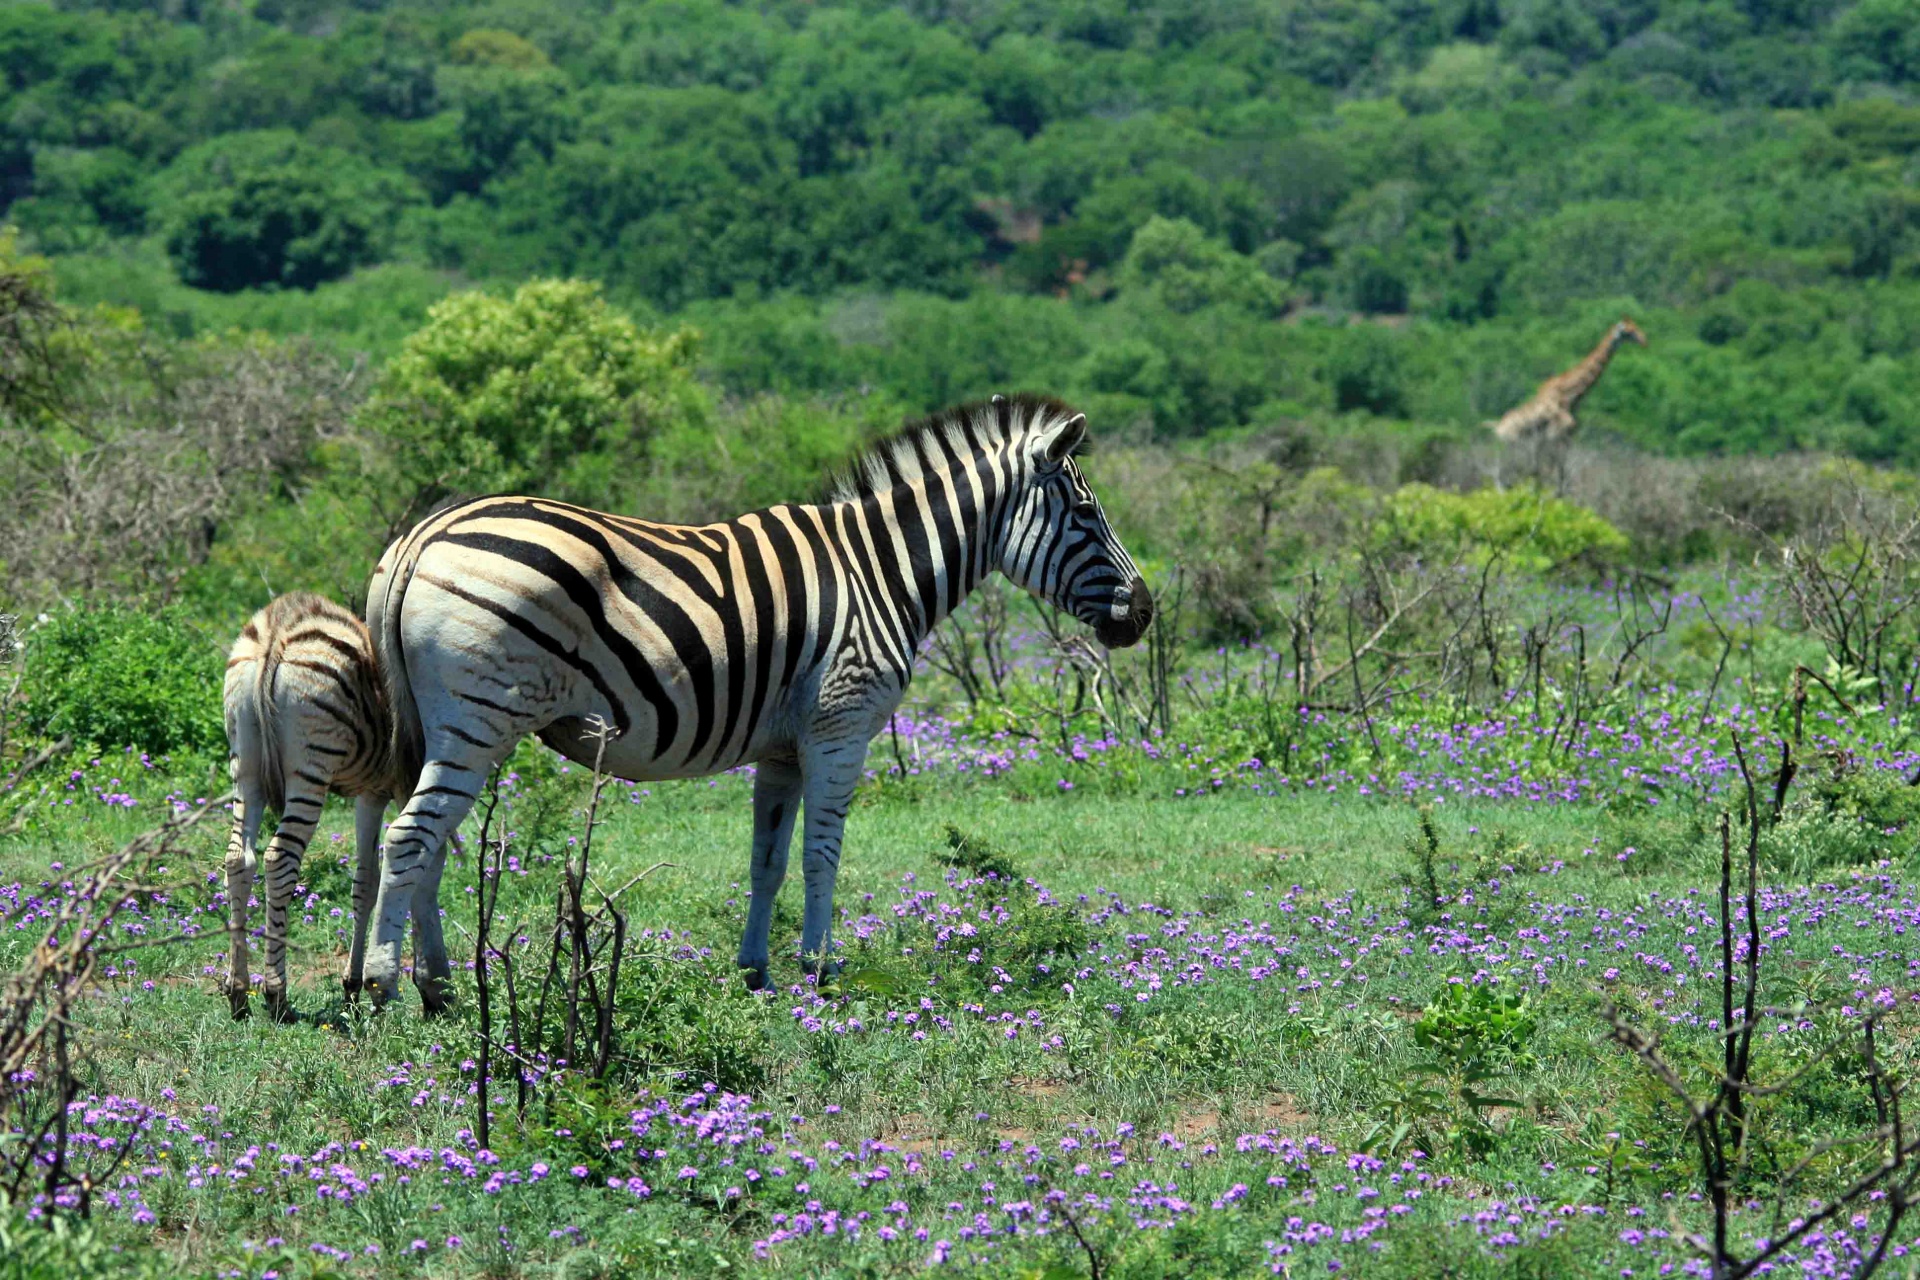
column 756, row 979
column 351, row 987
column 436, row 998
column 821, row 971
column 281, row 1010
column 238, row 1006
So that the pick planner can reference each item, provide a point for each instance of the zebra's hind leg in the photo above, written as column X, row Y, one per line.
column 832, row 770
column 432, row 970
column 249, row 806
column 305, row 798
column 369, row 812
column 445, row 794
column 776, row 802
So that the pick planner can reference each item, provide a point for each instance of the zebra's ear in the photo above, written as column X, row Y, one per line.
column 1059, row 443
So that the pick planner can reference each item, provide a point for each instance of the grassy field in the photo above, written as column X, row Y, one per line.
column 1207, row 1036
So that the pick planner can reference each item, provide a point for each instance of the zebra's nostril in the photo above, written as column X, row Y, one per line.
column 1140, row 603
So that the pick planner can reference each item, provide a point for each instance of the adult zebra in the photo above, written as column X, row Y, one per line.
column 784, row 637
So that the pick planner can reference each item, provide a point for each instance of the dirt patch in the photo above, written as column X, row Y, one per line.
column 1194, row 1120
column 1282, row 1111
column 1038, row 1090
column 914, row 1132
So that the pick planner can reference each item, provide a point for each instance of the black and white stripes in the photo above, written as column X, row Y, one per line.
column 783, row 637
column 306, row 714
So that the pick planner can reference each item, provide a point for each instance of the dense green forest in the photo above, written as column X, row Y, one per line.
column 1190, row 216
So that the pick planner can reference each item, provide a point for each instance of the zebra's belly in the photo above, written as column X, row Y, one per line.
column 632, row 759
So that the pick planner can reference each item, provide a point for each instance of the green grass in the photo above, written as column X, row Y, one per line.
column 1204, row 1063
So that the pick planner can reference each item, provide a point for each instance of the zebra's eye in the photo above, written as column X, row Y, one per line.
column 1085, row 507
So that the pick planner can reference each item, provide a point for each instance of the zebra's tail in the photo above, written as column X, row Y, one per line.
column 406, row 740
column 253, row 722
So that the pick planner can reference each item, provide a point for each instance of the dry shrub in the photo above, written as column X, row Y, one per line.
column 123, row 494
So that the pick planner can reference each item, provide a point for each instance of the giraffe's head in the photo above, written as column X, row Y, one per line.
column 1058, row 544
column 1628, row 331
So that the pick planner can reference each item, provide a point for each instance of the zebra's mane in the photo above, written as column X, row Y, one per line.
column 966, row 430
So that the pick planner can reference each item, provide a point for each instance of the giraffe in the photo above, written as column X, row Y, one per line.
column 1547, row 416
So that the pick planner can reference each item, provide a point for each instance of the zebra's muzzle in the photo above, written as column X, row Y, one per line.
column 1129, row 619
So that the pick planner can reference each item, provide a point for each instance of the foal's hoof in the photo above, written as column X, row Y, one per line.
column 350, row 988
column 281, row 1010
column 756, row 979
column 238, row 1006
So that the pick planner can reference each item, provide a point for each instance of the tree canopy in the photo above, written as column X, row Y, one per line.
column 1241, row 195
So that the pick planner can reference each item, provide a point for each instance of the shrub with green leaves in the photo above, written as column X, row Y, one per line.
column 119, row 677
column 1535, row 529
column 1476, row 1025
column 553, row 390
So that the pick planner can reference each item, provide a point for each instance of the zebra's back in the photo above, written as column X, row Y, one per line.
column 303, row 692
column 695, row 642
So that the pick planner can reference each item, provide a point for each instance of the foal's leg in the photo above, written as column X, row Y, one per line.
column 249, row 808
column 306, row 796
column 368, row 814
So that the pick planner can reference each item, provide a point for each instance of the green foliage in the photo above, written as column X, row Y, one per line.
column 1477, row 1025
column 1117, row 205
column 118, row 677
column 1366, row 372
column 551, row 390
column 269, row 208
column 692, row 1022
column 69, row 1249
column 1183, row 269
column 1525, row 523
column 972, row 856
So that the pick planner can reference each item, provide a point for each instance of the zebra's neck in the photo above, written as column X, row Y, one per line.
column 922, row 548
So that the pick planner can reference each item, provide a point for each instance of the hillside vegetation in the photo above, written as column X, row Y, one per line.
column 1189, row 216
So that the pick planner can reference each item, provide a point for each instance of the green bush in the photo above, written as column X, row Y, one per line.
column 552, row 390
column 1533, row 527
column 1366, row 373
column 118, row 677
column 1183, row 269
column 269, row 208
column 67, row 1250
column 680, row 1015
column 1476, row 1025
column 973, row 856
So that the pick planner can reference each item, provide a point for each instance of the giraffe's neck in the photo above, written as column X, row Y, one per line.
column 1579, row 380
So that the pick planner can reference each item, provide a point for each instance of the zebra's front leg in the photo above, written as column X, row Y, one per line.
column 239, row 866
column 282, row 870
column 442, row 799
column 369, row 812
column 832, row 771
column 776, row 802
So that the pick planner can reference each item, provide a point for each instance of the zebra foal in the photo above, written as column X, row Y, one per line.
column 305, row 714
column 785, row 637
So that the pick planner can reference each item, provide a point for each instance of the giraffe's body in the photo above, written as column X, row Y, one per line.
column 1549, row 413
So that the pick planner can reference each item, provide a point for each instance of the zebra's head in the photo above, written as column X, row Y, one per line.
column 1058, row 544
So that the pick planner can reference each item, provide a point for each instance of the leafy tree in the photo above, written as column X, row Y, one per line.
column 267, row 208
column 552, row 390
column 1881, row 38
column 1183, row 269
column 1367, row 373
